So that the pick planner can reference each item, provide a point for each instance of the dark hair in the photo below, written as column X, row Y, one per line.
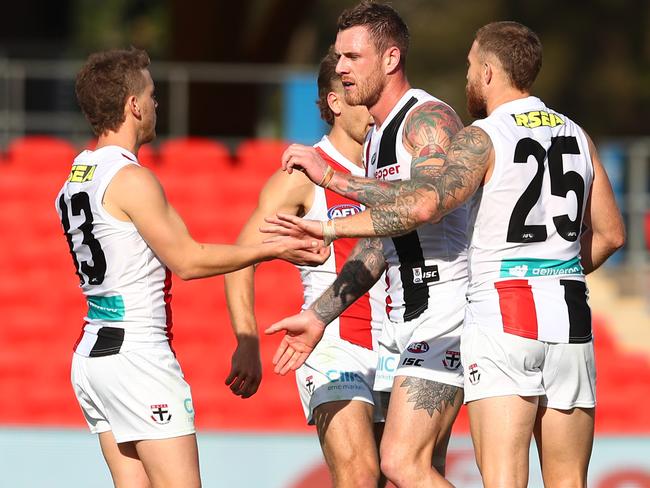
column 105, row 82
column 327, row 77
column 517, row 48
column 384, row 24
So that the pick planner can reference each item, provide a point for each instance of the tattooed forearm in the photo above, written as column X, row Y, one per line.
column 361, row 270
column 430, row 395
column 438, row 189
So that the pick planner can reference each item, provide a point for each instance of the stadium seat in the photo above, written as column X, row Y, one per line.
column 41, row 153
column 190, row 153
column 260, row 157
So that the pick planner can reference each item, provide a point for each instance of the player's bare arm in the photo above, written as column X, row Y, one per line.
column 137, row 193
column 605, row 231
column 437, row 191
column 303, row 331
column 292, row 194
column 360, row 272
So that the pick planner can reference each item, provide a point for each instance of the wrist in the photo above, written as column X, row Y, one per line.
column 329, row 231
column 327, row 177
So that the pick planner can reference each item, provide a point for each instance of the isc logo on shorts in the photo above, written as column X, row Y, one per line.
column 343, row 210
column 418, row 347
column 426, row 274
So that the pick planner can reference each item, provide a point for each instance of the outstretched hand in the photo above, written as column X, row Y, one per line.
column 293, row 226
column 305, row 159
column 303, row 332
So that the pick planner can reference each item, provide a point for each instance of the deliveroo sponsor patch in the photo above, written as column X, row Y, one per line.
column 110, row 309
column 529, row 267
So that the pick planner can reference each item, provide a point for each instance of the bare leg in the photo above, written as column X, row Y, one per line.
column 502, row 428
column 171, row 463
column 123, row 462
column 347, row 437
column 558, row 432
column 416, row 435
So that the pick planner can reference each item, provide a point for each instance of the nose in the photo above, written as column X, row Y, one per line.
column 341, row 66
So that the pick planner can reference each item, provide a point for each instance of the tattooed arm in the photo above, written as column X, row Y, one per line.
column 438, row 191
column 303, row 331
column 362, row 269
column 427, row 134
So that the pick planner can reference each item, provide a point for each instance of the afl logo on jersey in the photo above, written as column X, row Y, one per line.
column 343, row 210
column 418, row 347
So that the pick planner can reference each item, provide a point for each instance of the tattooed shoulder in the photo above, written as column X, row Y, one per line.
column 428, row 130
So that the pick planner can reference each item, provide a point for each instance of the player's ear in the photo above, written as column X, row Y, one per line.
column 133, row 107
column 334, row 103
column 488, row 72
column 392, row 58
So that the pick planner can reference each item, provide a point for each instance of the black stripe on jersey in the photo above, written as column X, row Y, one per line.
column 387, row 154
column 407, row 247
column 109, row 341
column 416, row 295
column 575, row 296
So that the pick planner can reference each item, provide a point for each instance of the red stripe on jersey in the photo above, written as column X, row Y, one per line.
column 167, row 297
column 355, row 321
column 80, row 336
column 517, row 308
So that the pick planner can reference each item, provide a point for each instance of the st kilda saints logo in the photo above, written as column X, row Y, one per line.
column 309, row 384
column 160, row 414
column 473, row 373
column 452, row 360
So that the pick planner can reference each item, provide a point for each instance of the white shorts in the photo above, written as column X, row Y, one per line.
column 138, row 394
column 338, row 370
column 499, row 364
column 429, row 346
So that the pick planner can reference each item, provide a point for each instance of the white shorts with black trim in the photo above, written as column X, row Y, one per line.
column 139, row 394
column 428, row 346
column 338, row 370
column 499, row 364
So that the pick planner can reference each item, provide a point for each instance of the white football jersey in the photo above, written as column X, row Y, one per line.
column 433, row 253
column 361, row 322
column 525, row 225
column 127, row 287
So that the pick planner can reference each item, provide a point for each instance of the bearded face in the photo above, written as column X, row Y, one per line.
column 476, row 103
column 367, row 90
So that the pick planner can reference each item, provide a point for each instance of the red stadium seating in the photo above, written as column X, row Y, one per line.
column 41, row 153
column 260, row 157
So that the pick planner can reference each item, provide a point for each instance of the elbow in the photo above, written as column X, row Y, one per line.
column 184, row 271
column 424, row 212
column 617, row 240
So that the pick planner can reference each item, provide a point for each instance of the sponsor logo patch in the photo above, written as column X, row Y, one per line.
column 530, row 267
column 110, row 309
column 343, row 210
column 537, row 118
column 426, row 274
column 80, row 173
column 160, row 414
column 418, row 347
column 412, row 362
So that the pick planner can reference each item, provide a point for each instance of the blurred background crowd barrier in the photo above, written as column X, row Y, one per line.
column 236, row 85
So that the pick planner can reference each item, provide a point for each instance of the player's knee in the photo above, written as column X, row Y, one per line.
column 359, row 474
column 398, row 466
